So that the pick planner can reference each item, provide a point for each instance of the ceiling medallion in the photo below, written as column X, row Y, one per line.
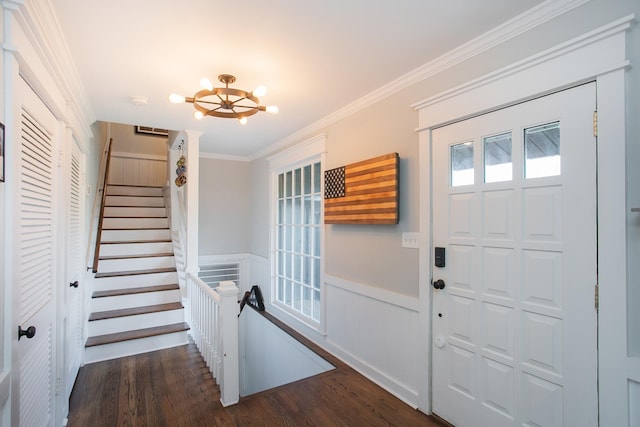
column 225, row 102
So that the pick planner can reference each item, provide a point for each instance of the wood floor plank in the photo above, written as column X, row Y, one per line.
column 173, row 387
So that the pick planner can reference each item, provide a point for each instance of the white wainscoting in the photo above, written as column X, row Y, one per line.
column 137, row 169
column 371, row 329
column 375, row 330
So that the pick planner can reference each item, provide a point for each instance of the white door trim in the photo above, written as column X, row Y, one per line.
column 563, row 66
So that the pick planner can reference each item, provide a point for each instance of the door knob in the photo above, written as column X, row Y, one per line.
column 74, row 284
column 438, row 284
column 30, row 332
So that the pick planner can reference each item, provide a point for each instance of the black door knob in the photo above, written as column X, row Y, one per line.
column 30, row 332
column 438, row 284
column 74, row 284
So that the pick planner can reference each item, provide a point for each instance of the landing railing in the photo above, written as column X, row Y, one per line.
column 212, row 315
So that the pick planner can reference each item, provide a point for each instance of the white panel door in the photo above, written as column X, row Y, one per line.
column 34, row 265
column 514, row 207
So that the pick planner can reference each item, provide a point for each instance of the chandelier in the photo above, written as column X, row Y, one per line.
column 224, row 101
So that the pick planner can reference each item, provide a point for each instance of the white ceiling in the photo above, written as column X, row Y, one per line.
column 314, row 56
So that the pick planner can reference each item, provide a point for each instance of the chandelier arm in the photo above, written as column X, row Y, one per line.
column 202, row 101
column 248, row 107
column 238, row 100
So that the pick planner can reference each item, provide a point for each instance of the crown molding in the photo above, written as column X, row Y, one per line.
column 532, row 18
column 40, row 23
column 229, row 157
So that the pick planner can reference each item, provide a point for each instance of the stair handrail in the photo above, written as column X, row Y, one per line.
column 105, row 178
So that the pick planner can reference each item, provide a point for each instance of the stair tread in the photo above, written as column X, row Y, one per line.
column 134, row 185
column 110, row 314
column 134, row 229
column 136, row 290
column 134, row 206
column 136, row 334
column 155, row 255
column 134, row 272
column 120, row 242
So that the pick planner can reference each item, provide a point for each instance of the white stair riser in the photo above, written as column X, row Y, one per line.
column 134, row 212
column 124, row 249
column 122, row 190
column 110, row 223
column 157, row 202
column 138, row 321
column 132, row 264
column 134, row 235
column 128, row 348
column 137, row 281
column 134, row 300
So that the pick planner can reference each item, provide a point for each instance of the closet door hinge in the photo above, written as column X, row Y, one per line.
column 596, row 297
column 595, row 123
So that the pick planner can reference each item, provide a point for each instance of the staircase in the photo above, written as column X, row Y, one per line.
column 136, row 304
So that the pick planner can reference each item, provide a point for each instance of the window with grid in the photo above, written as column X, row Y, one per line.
column 298, row 240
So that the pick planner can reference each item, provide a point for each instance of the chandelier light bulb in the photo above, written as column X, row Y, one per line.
column 174, row 98
column 198, row 115
column 260, row 91
column 243, row 120
column 273, row 109
column 205, row 83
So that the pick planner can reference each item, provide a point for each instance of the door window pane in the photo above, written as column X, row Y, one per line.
column 542, row 150
column 462, row 164
column 497, row 158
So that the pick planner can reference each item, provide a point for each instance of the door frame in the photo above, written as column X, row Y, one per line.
column 563, row 66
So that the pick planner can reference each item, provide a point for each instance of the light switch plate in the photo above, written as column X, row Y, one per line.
column 410, row 240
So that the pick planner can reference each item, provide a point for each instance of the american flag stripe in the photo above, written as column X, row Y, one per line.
column 370, row 193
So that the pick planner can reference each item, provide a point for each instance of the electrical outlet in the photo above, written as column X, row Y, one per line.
column 410, row 240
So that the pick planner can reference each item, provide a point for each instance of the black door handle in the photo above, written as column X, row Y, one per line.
column 74, row 284
column 438, row 284
column 30, row 332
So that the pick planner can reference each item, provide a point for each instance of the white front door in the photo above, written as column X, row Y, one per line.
column 33, row 260
column 514, row 209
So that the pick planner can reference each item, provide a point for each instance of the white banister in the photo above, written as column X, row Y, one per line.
column 212, row 315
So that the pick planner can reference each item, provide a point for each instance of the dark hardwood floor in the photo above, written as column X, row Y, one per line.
column 173, row 387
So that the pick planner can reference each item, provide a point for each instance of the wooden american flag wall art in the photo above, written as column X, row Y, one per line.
column 365, row 192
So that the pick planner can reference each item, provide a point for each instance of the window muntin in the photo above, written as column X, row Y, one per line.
column 298, row 243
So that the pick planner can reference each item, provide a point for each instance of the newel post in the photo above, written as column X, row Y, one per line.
column 229, row 310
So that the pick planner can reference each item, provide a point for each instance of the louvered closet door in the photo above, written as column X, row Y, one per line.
column 34, row 264
column 72, row 312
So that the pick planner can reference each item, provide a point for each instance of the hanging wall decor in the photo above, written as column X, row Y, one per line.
column 365, row 192
column 181, row 171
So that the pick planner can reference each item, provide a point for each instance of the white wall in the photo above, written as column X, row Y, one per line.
column 269, row 357
column 126, row 140
column 225, row 209
column 137, row 159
